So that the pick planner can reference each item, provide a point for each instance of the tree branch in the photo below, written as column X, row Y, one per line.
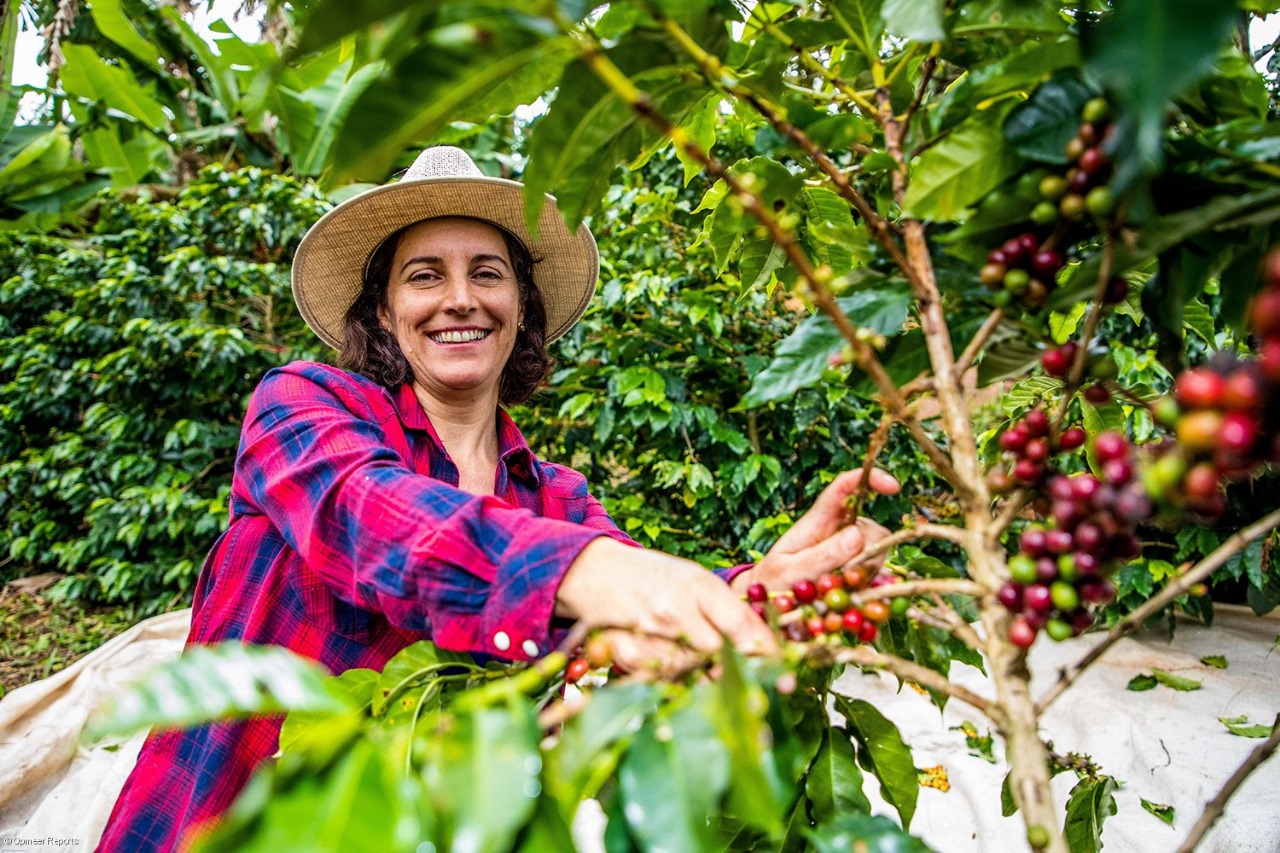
column 866, row 656
column 1214, row 808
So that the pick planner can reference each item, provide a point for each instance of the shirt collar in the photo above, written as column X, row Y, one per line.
column 513, row 450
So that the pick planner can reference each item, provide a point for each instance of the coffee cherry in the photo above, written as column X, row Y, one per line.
column 999, row 481
column 1022, row 568
column 1072, row 438
column 833, row 621
column 1021, row 634
column 1037, row 450
column 1034, row 542
column 1044, row 213
column 1117, row 471
column 1016, row 280
column 1010, row 595
column 855, row 577
column 899, row 606
column 1072, row 207
column 997, row 256
column 757, row 592
column 1096, row 110
column 1047, row 262
column 759, row 609
column 992, row 275
column 1058, row 630
column 867, row 633
column 1166, row 411
column 1097, row 394
column 1117, row 288
column 852, row 620
column 1037, row 597
column 577, row 668
column 1097, row 591
column 1067, row 567
column 1110, row 445
column 1242, row 391
column 1200, row 430
column 1199, row 388
column 1202, row 482
column 1264, row 313
column 1046, row 569
column 804, row 591
column 876, row 611
column 817, row 626
column 1064, row 596
column 1036, row 423
column 1075, row 148
column 1238, row 433
column 1027, row 471
column 784, row 603
column 1053, row 187
column 1092, row 160
column 1037, row 291
column 837, row 599
column 597, row 652
column 1057, row 362
column 828, row 581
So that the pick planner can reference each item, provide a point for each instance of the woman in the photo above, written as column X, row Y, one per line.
column 394, row 500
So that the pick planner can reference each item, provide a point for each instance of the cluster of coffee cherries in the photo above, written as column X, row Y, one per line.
column 1082, row 191
column 1021, row 269
column 1060, row 571
column 1031, row 448
column 594, row 654
column 824, row 608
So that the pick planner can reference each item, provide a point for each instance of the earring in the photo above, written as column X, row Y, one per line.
column 520, row 327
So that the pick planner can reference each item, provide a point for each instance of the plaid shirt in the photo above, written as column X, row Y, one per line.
column 350, row 540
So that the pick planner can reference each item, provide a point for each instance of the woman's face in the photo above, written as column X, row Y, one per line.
column 453, row 306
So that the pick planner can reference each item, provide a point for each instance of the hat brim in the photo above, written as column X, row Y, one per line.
column 328, row 268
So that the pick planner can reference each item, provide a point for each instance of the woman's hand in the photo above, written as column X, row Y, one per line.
column 822, row 540
column 662, row 614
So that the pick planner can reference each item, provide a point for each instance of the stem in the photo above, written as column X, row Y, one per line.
column 989, row 325
column 1213, row 809
column 919, row 587
column 812, row 64
column 874, row 445
column 1179, row 586
column 866, row 656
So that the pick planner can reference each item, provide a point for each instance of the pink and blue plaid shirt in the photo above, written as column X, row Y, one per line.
column 349, row 540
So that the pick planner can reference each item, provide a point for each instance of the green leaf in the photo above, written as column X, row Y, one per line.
column 889, row 757
column 1041, row 127
column 931, row 567
column 915, row 20
column 961, row 169
column 86, row 76
column 354, row 688
column 1090, row 803
column 222, row 77
column 482, row 777
column 351, row 807
column 872, row 834
column 1140, row 683
column 1147, row 52
column 113, row 23
column 1215, row 661
column 833, row 784
column 215, row 683
column 801, row 359
column 700, row 127
column 330, row 20
column 756, row 793
column 1160, row 810
column 413, row 665
column 1240, row 726
column 591, row 742
column 1010, row 352
column 1177, row 682
column 673, row 777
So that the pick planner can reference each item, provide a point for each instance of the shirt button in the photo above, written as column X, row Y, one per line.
column 502, row 641
column 530, row 648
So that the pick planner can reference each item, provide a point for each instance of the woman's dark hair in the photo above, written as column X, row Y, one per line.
column 370, row 349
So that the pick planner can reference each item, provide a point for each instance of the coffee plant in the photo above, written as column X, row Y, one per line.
column 1073, row 206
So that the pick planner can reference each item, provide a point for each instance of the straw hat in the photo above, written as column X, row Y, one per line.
column 328, row 269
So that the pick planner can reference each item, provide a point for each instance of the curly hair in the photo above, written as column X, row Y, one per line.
column 368, row 348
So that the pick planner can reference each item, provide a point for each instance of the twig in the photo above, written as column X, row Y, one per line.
column 874, row 445
column 961, row 629
column 1213, row 809
column 961, row 586
column 926, row 74
column 868, row 657
column 989, row 325
column 1017, row 502
column 808, row 61
column 1179, row 586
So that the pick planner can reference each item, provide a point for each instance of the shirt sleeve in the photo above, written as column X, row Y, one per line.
column 478, row 574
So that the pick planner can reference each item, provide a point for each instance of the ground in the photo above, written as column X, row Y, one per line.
column 39, row 636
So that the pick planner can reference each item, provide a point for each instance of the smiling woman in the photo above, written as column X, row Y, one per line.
column 394, row 500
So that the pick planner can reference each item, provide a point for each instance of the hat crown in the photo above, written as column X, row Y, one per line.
column 442, row 161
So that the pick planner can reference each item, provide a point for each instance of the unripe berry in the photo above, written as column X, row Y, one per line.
column 992, row 275
column 1200, row 430
column 876, row 611
column 837, row 599
column 1053, row 187
column 1022, row 568
column 1064, row 596
column 1057, row 630
column 833, row 622
column 1072, row 207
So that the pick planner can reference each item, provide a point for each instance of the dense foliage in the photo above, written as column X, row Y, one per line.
column 128, row 356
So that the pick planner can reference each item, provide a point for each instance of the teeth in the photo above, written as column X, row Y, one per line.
column 458, row 337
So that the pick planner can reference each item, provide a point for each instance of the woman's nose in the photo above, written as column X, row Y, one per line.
column 458, row 296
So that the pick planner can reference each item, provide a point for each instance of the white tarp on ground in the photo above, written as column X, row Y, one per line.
column 1166, row 746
